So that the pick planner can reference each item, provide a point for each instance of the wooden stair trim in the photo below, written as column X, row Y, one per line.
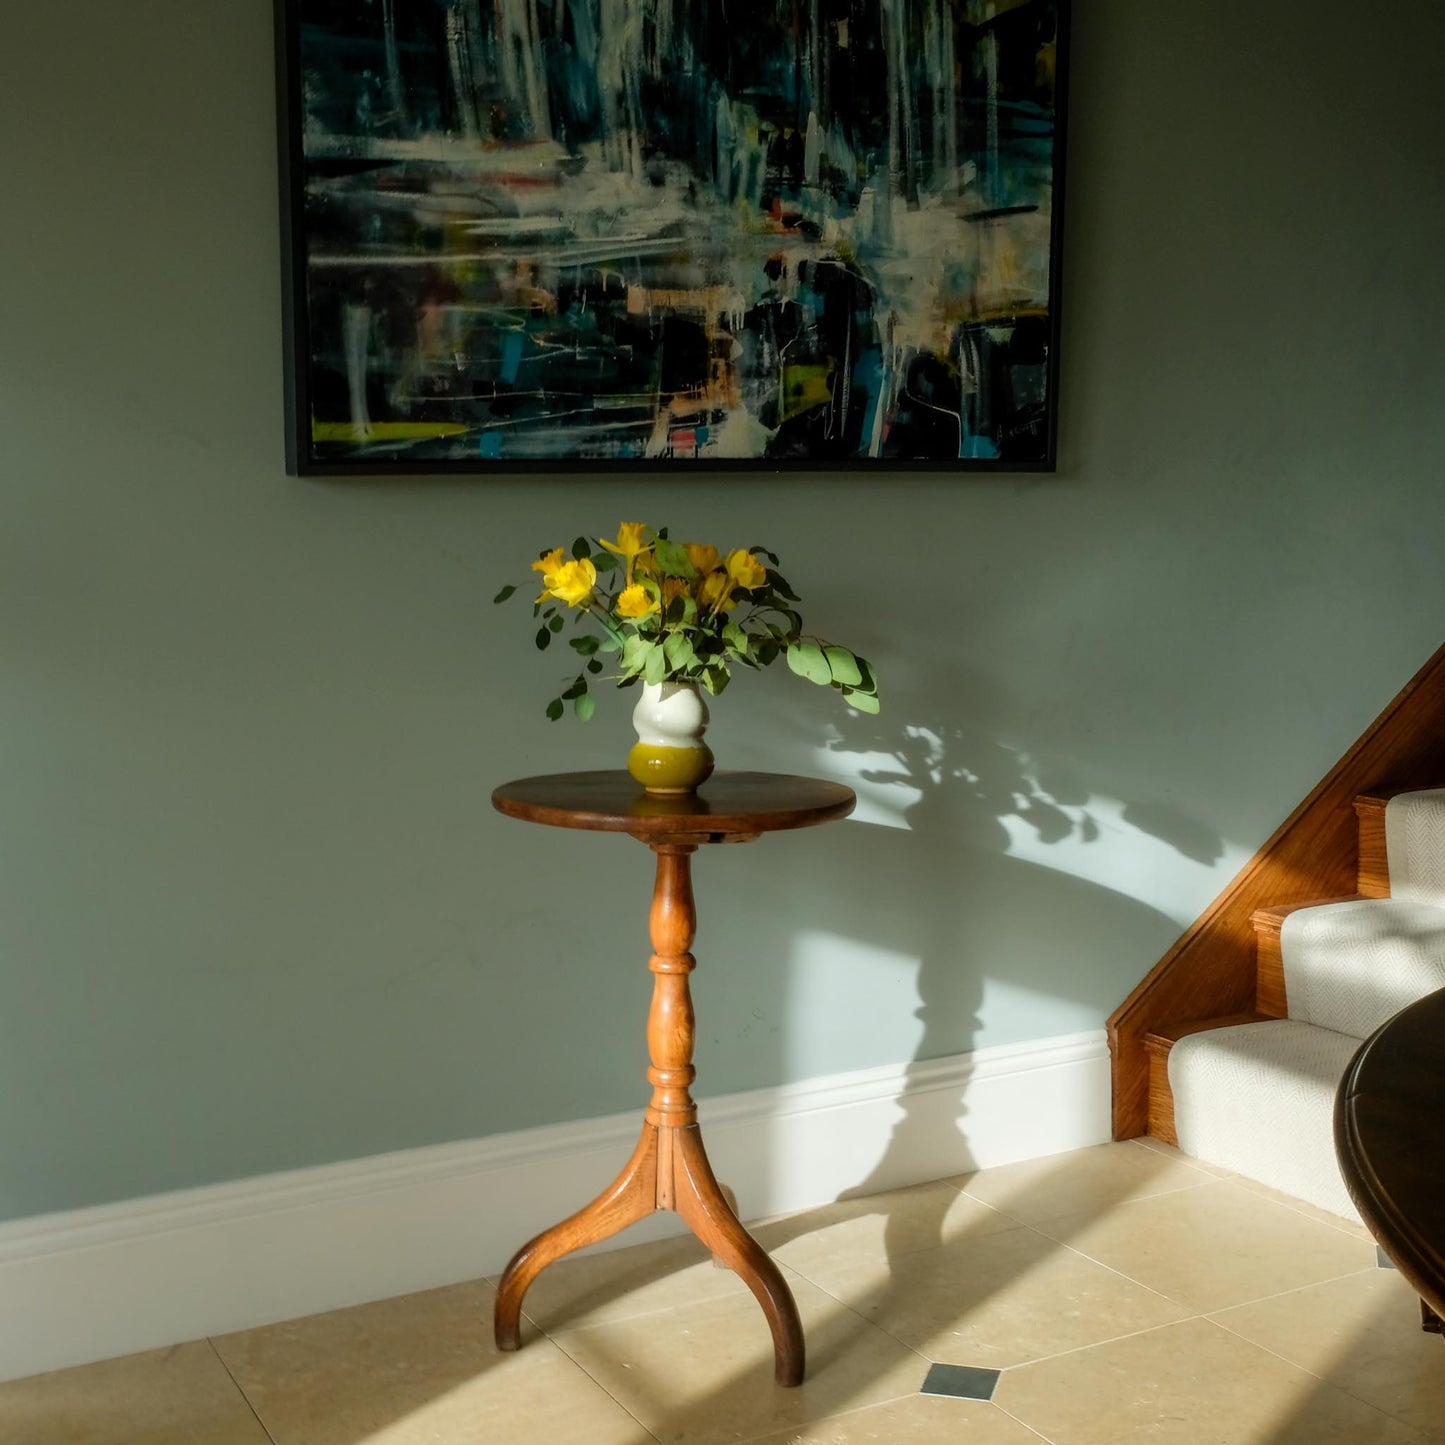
column 1374, row 867
column 1157, row 1046
column 1163, row 1039
column 1211, row 970
column 1270, row 996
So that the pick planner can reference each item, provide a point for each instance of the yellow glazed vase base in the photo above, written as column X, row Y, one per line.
column 670, row 770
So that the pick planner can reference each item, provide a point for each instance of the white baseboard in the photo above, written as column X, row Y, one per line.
column 91, row 1283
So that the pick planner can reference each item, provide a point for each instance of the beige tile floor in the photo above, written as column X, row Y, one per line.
column 1124, row 1293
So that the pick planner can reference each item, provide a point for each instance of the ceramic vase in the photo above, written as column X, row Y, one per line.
column 670, row 756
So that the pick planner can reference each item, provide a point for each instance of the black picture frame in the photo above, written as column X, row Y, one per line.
column 352, row 293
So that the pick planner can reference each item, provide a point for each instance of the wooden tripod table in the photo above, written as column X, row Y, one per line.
column 669, row 1168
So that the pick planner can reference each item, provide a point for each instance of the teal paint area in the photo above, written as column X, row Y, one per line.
column 259, row 913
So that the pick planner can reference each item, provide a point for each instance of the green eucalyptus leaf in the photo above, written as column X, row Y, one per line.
column 655, row 668
column 594, row 666
column 870, row 678
column 715, row 679
column 735, row 638
column 843, row 666
column 555, row 624
column 544, row 637
column 581, row 548
column 862, row 701
column 586, row 644
column 554, row 709
column 584, row 706
column 604, row 561
column 676, row 610
column 807, row 660
column 578, row 687
column 610, row 644
column 505, row 593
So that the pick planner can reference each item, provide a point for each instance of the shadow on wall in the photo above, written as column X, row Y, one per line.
column 958, row 883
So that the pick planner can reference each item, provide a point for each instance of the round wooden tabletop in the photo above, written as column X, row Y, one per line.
column 729, row 806
column 1389, row 1135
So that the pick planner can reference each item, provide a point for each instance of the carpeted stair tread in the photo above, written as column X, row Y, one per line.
column 1415, row 845
column 1351, row 965
column 1258, row 1099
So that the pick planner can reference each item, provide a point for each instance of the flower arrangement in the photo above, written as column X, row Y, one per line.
column 681, row 612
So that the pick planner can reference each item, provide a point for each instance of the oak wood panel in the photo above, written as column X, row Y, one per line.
column 1210, row 970
column 1389, row 1136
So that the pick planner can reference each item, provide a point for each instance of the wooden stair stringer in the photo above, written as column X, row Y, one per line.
column 1211, row 971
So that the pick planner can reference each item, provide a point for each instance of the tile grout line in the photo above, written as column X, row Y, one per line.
column 1098, row 1344
column 221, row 1360
column 1047, row 1439
column 587, row 1374
column 823, row 1419
column 1319, row 1216
column 1112, row 1204
column 1280, row 1294
column 1305, row 1369
column 1128, row 1334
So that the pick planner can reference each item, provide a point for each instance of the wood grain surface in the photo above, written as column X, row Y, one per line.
column 728, row 807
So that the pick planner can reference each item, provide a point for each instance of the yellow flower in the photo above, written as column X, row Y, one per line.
column 635, row 601
column 746, row 570
column 702, row 556
column 551, row 562
column 571, row 582
column 672, row 589
column 716, row 591
column 629, row 543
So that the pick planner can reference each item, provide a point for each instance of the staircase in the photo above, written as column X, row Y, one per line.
column 1254, row 1092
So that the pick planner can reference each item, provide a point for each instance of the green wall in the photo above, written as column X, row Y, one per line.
column 257, row 910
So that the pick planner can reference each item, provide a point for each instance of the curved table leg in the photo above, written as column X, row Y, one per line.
column 630, row 1197
column 699, row 1199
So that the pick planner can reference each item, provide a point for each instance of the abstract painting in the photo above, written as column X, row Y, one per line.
column 566, row 233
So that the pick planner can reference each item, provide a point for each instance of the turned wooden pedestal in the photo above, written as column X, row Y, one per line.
column 669, row 1168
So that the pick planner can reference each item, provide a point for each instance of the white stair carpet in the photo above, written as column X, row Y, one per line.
column 1259, row 1099
column 1352, row 966
column 1415, row 846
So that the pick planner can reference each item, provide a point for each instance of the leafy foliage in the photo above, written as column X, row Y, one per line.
column 681, row 612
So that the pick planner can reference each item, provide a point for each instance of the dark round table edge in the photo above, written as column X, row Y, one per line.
column 677, row 824
column 1417, row 1255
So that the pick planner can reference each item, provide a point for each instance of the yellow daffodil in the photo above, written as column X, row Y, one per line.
column 702, row 556
column 745, row 569
column 630, row 546
column 635, row 601
column 629, row 543
column 672, row 589
column 551, row 562
column 716, row 591
column 571, row 582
